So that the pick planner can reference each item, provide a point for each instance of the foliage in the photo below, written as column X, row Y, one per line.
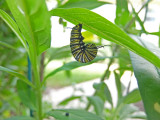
column 31, row 24
column 148, row 81
column 12, row 55
column 35, row 38
column 73, row 114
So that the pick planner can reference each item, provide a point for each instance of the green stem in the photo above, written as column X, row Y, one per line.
column 35, row 66
column 38, row 89
column 39, row 103
column 134, row 18
column 42, row 66
column 116, row 111
column 159, row 37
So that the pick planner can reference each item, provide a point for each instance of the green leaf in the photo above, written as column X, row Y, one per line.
column 148, row 78
column 139, row 115
column 118, row 84
column 122, row 13
column 20, row 76
column 33, row 19
column 103, row 91
column 127, row 111
column 58, row 53
column 7, row 45
column 97, row 103
column 67, row 100
column 70, row 66
column 124, row 60
column 12, row 24
column 105, row 29
column 132, row 97
column 73, row 114
column 26, row 95
column 88, row 4
column 89, row 37
column 20, row 118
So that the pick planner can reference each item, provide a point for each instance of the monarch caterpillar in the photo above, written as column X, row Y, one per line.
column 82, row 52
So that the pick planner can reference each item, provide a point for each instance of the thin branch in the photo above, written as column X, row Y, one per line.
column 134, row 18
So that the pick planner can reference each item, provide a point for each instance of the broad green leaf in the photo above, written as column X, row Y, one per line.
column 105, row 29
column 98, row 104
column 148, row 78
column 67, row 100
column 70, row 66
column 12, row 24
column 20, row 76
column 132, row 97
column 88, row 4
column 73, row 114
column 20, row 118
column 103, row 91
column 33, row 19
column 26, row 95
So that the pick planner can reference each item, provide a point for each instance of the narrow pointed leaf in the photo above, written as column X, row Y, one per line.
column 7, row 45
column 20, row 76
column 103, row 91
column 12, row 24
column 118, row 84
column 67, row 100
column 88, row 4
column 98, row 104
column 26, row 94
column 70, row 66
column 105, row 29
column 132, row 97
column 73, row 114
column 20, row 118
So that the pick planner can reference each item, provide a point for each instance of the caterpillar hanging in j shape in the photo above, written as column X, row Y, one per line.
column 82, row 52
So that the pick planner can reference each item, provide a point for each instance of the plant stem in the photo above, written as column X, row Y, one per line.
column 30, row 79
column 159, row 38
column 39, row 103
column 134, row 18
column 42, row 66
column 37, row 83
column 116, row 111
column 38, row 92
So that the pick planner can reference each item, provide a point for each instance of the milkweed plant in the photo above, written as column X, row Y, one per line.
column 30, row 21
